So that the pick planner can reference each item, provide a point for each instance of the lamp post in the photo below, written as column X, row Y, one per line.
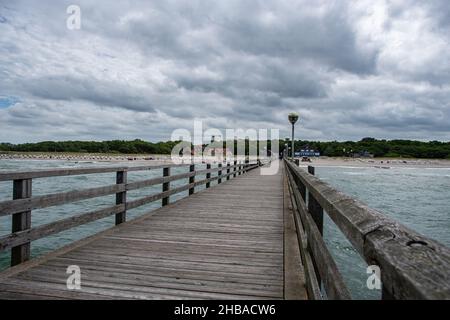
column 293, row 117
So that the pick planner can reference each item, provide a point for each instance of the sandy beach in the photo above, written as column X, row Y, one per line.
column 382, row 163
column 85, row 157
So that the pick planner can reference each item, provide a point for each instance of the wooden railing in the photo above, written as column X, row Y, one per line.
column 412, row 266
column 23, row 202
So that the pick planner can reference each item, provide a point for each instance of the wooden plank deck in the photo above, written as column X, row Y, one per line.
column 226, row 242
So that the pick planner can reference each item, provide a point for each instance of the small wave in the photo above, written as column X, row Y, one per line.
column 341, row 167
column 356, row 173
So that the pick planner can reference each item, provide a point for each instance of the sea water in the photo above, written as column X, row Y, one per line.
column 419, row 198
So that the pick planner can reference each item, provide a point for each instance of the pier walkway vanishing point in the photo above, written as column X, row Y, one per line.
column 251, row 236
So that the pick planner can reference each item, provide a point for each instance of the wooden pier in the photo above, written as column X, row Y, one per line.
column 223, row 243
column 251, row 236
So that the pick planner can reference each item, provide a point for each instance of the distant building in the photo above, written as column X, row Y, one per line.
column 307, row 153
column 218, row 152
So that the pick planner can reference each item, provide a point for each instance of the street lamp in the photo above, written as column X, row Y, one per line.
column 293, row 117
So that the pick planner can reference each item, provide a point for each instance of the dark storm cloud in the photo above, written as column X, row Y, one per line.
column 289, row 31
column 139, row 69
column 103, row 92
column 240, row 78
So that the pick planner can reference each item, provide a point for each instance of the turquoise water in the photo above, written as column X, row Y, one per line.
column 418, row 198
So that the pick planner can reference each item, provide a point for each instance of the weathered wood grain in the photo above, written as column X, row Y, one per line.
column 17, row 175
column 155, row 181
column 294, row 274
column 412, row 266
column 214, row 244
column 22, row 189
column 40, row 202
column 21, row 237
column 192, row 179
column 219, row 174
column 324, row 263
column 311, row 283
column 208, row 175
column 121, row 197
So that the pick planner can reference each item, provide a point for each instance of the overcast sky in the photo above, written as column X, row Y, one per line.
column 140, row 69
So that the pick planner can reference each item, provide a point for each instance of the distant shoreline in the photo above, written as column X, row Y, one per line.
column 81, row 157
column 381, row 163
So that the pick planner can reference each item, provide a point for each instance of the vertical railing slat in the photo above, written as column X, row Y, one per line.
column 166, row 186
column 314, row 207
column 208, row 175
column 22, row 189
column 121, row 197
column 316, row 212
column 192, row 178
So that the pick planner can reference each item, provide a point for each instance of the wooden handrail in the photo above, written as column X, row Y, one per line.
column 46, row 173
column 323, row 265
column 21, row 237
column 23, row 203
column 412, row 265
column 40, row 202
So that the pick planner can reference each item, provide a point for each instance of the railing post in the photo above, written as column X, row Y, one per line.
column 314, row 207
column 316, row 212
column 166, row 186
column 246, row 165
column 121, row 197
column 208, row 175
column 192, row 179
column 228, row 171
column 240, row 168
column 302, row 189
column 21, row 221
column 234, row 169
column 219, row 174
column 300, row 185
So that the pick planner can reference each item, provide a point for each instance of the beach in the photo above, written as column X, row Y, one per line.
column 382, row 163
column 85, row 157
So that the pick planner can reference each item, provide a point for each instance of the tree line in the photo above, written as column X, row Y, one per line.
column 113, row 146
column 379, row 148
